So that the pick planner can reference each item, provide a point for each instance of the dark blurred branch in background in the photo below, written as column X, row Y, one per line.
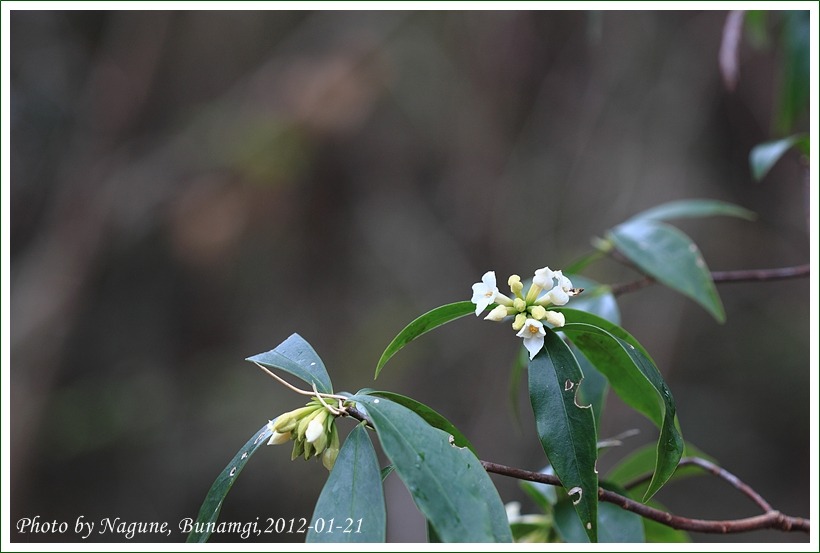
column 723, row 277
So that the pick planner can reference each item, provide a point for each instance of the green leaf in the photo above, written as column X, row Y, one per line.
column 542, row 494
column 209, row 512
column 796, row 77
column 642, row 461
column 616, row 525
column 425, row 323
column 576, row 316
column 638, row 382
column 350, row 508
column 764, row 156
column 596, row 299
column 386, row 472
column 432, row 417
column 447, row 483
column 297, row 357
column 595, row 387
column 566, row 429
column 685, row 209
column 669, row 256
column 516, row 372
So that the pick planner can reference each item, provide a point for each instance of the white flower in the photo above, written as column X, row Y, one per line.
column 315, row 428
column 533, row 334
column 544, row 278
column 560, row 294
column 484, row 292
column 555, row 318
column 496, row 314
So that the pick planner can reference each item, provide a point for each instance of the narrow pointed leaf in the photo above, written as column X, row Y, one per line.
column 642, row 461
column 616, row 525
column 425, row 323
column 353, row 498
column 209, row 512
column 432, row 417
column 566, row 428
column 764, row 156
column 297, row 357
column 669, row 256
column 447, row 482
column 638, row 382
column 685, row 209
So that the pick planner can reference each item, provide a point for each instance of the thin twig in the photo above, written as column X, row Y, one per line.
column 720, row 472
column 300, row 391
column 720, row 277
column 770, row 520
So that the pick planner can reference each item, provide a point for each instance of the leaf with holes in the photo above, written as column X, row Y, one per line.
column 617, row 525
column 209, row 512
column 566, row 429
column 353, row 492
column 447, row 482
column 669, row 256
column 638, row 382
column 425, row 323
column 297, row 357
column 686, row 209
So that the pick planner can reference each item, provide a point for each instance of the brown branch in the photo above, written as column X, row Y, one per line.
column 723, row 277
column 720, row 472
column 771, row 519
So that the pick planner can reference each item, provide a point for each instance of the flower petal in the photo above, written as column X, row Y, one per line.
column 558, row 296
column 544, row 277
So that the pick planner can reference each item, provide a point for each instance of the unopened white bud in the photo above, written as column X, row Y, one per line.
column 315, row 428
column 555, row 318
column 497, row 314
column 279, row 438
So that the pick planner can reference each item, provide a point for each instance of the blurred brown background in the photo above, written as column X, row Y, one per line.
column 189, row 188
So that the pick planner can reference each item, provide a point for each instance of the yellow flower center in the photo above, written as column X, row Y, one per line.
column 533, row 329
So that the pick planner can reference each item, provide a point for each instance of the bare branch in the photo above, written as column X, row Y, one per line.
column 720, row 472
column 722, row 277
column 770, row 520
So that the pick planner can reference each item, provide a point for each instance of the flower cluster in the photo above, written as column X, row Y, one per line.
column 312, row 429
column 548, row 288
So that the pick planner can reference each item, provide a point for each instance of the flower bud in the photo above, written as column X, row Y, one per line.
column 316, row 428
column 279, row 438
column 538, row 312
column 497, row 314
column 555, row 318
column 519, row 305
column 288, row 421
column 519, row 321
column 329, row 457
column 332, row 451
column 515, row 285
